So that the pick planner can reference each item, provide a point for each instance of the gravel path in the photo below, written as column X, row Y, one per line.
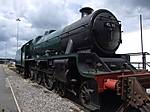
column 35, row 98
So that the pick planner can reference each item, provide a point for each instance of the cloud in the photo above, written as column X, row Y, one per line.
column 127, row 11
column 140, row 3
column 6, row 29
column 133, row 41
column 48, row 14
column 132, row 44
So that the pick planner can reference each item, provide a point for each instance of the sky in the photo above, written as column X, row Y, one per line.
column 37, row 16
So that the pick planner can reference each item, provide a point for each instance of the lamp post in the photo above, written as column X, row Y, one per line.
column 6, row 52
column 17, row 30
column 143, row 53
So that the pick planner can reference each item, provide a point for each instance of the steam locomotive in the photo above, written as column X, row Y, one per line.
column 81, row 59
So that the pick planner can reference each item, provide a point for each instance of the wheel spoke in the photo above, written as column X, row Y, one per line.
column 39, row 77
column 32, row 73
column 83, row 92
column 85, row 95
column 49, row 82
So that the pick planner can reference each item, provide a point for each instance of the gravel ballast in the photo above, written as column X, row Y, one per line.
column 32, row 97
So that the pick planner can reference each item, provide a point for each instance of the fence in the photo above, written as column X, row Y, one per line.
column 140, row 60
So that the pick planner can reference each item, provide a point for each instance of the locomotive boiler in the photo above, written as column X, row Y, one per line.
column 80, row 59
column 98, row 32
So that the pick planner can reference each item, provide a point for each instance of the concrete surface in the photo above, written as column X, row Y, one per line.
column 7, row 103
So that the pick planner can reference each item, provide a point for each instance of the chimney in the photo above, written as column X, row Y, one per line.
column 85, row 11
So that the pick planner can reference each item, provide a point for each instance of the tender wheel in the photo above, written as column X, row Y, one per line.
column 60, row 88
column 85, row 95
column 22, row 73
column 25, row 74
column 18, row 70
column 32, row 74
column 49, row 82
column 39, row 77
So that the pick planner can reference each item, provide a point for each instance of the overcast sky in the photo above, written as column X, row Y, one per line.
column 39, row 15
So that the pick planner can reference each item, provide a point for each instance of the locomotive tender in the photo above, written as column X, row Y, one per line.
column 81, row 59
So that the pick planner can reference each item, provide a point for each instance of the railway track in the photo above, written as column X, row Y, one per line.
column 75, row 100
column 68, row 97
column 8, row 102
column 80, row 106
